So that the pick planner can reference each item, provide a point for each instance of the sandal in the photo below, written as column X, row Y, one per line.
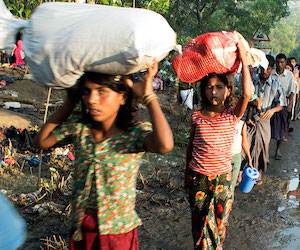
column 258, row 182
column 278, row 156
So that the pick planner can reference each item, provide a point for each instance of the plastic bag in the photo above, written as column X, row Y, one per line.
column 12, row 226
column 62, row 40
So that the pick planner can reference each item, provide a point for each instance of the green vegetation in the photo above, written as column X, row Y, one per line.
column 286, row 34
column 190, row 18
column 193, row 17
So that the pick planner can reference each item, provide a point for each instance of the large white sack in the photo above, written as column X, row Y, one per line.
column 62, row 40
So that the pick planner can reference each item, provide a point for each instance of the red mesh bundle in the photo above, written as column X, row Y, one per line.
column 211, row 52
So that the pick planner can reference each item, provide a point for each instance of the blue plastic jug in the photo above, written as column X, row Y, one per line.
column 249, row 177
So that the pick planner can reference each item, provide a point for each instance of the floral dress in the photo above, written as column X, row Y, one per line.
column 210, row 199
column 105, row 176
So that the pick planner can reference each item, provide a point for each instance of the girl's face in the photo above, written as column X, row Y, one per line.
column 216, row 92
column 102, row 103
column 288, row 67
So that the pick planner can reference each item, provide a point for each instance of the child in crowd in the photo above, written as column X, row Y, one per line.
column 109, row 144
column 18, row 52
column 240, row 142
column 208, row 165
column 296, row 104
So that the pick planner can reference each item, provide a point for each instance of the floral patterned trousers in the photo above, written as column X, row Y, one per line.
column 210, row 199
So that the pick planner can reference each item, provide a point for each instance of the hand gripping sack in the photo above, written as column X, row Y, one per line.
column 62, row 40
column 211, row 52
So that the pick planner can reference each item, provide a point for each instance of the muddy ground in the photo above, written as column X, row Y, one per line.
column 266, row 218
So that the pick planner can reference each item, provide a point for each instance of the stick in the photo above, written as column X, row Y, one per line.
column 22, row 166
column 41, row 152
column 26, row 69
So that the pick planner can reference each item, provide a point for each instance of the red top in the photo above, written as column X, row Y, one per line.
column 18, row 55
column 212, row 142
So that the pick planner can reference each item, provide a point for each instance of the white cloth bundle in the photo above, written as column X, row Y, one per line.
column 62, row 40
column 187, row 97
column 255, row 56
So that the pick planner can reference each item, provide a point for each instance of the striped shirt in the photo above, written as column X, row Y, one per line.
column 212, row 142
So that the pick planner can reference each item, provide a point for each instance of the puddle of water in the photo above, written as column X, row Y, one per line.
column 291, row 192
column 289, row 239
column 294, row 183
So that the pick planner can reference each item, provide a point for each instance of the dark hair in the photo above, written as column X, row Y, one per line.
column 228, row 81
column 127, row 115
column 18, row 36
column 289, row 60
column 292, row 58
column 271, row 60
column 280, row 56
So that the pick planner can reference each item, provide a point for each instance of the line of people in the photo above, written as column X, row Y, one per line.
column 270, row 111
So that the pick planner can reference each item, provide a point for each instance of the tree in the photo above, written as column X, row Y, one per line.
column 286, row 34
column 21, row 9
column 194, row 17
column 283, row 39
column 24, row 8
column 190, row 18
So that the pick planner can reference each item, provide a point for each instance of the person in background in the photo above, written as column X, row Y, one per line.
column 294, row 68
column 282, row 118
column 296, row 110
column 293, row 61
column 240, row 142
column 18, row 52
column 289, row 67
column 269, row 103
column 3, row 57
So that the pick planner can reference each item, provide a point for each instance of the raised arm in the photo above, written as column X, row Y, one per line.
column 161, row 139
column 44, row 139
column 246, row 82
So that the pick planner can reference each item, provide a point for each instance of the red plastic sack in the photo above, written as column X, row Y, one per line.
column 214, row 52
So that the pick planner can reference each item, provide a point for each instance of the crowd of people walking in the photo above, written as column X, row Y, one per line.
column 274, row 104
column 227, row 134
